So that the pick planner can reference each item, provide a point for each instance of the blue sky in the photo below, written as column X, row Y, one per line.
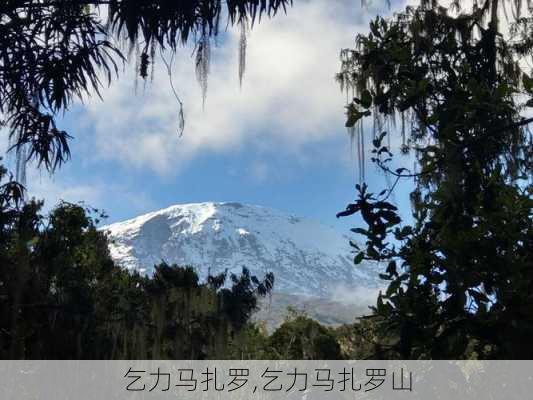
column 278, row 141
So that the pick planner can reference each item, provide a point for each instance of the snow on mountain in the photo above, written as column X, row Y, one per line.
column 306, row 257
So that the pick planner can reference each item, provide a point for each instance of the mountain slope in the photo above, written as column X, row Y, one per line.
column 307, row 258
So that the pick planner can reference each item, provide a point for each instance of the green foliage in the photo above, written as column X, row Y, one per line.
column 54, row 52
column 62, row 296
column 302, row 338
column 367, row 338
column 250, row 343
column 460, row 275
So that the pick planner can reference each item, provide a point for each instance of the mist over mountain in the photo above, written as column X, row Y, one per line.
column 312, row 263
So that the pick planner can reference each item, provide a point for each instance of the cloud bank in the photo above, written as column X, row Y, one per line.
column 288, row 99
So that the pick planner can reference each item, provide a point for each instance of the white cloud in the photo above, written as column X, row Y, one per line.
column 104, row 196
column 358, row 295
column 54, row 192
column 288, row 100
column 289, row 97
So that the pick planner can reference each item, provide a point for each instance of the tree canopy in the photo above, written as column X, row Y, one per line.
column 62, row 295
column 54, row 52
column 460, row 274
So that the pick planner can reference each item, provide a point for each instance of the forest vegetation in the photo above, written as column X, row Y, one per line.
column 453, row 77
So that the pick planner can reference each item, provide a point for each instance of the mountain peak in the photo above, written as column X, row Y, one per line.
column 306, row 257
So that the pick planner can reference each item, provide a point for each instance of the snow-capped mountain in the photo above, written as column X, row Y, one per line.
column 306, row 257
